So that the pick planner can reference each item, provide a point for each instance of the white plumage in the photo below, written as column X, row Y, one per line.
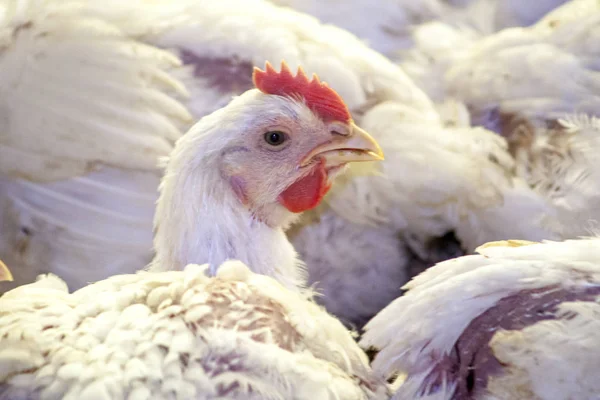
column 83, row 97
column 435, row 181
column 176, row 335
column 65, row 226
column 536, row 305
column 206, row 37
column 531, row 361
column 386, row 26
column 551, row 128
column 506, row 64
column 536, row 87
column 351, row 284
column 469, row 184
column 62, row 69
column 224, row 189
column 93, row 98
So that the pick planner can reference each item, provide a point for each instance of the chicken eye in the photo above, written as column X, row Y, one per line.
column 275, row 138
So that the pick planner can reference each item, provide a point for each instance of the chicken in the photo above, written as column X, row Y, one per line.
column 383, row 26
column 519, row 320
column 386, row 26
column 176, row 335
column 466, row 57
column 470, row 191
column 498, row 76
column 551, row 129
column 231, row 184
column 244, row 173
column 5, row 274
column 70, row 226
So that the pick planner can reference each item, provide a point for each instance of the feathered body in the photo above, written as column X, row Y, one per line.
column 176, row 335
column 88, row 116
column 495, row 81
column 387, row 25
column 551, row 129
column 518, row 320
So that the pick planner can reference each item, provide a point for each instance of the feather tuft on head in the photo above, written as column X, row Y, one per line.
column 317, row 95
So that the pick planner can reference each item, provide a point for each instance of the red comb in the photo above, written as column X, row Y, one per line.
column 318, row 96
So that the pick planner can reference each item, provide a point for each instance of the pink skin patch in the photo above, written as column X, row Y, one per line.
column 239, row 188
column 306, row 193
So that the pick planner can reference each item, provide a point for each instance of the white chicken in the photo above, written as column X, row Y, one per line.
column 176, row 335
column 551, row 128
column 519, row 321
column 232, row 183
column 87, row 227
column 386, row 25
column 242, row 174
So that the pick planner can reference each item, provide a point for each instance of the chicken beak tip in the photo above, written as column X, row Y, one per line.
column 377, row 155
column 367, row 144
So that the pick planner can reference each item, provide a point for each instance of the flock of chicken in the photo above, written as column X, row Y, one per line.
column 164, row 241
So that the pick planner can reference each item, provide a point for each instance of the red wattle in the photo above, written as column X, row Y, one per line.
column 307, row 192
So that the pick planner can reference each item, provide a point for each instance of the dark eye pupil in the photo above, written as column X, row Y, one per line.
column 274, row 138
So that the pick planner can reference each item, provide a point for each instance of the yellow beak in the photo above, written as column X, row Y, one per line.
column 357, row 146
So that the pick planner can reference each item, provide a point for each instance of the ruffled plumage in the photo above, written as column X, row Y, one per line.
column 176, row 334
column 512, row 303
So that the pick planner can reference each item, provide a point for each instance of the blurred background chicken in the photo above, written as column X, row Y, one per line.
column 517, row 321
column 551, row 129
column 387, row 25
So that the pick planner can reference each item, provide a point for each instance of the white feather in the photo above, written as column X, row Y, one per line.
column 359, row 272
column 453, row 293
column 65, row 227
column 176, row 335
column 386, row 25
column 78, row 94
column 555, row 359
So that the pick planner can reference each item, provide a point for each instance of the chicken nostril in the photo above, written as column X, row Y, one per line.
column 338, row 128
column 339, row 133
